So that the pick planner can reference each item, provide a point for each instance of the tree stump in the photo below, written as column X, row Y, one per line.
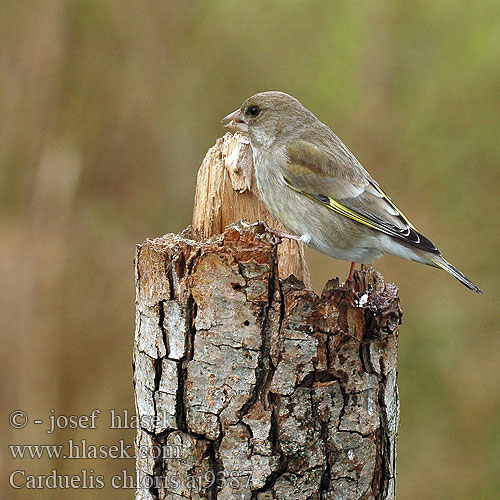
column 250, row 386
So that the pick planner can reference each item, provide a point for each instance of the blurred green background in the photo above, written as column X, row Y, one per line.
column 107, row 109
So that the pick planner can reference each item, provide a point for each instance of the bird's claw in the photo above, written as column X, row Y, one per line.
column 278, row 232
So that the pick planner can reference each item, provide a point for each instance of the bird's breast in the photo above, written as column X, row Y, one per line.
column 276, row 195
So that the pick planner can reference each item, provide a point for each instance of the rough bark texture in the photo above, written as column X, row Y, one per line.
column 256, row 388
column 248, row 385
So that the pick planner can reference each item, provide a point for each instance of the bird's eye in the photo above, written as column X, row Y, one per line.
column 254, row 111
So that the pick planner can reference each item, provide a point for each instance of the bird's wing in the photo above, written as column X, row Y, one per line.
column 339, row 182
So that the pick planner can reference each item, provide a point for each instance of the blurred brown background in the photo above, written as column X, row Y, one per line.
column 107, row 109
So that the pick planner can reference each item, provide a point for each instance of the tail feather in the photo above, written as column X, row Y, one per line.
column 459, row 275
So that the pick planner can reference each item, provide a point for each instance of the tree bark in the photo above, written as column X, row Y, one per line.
column 250, row 386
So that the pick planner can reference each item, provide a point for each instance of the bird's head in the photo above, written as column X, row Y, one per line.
column 268, row 116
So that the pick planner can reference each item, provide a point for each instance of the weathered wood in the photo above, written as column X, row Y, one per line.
column 250, row 386
column 226, row 192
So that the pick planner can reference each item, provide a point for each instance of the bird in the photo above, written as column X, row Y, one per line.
column 318, row 190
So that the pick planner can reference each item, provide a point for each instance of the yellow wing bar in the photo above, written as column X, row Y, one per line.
column 334, row 205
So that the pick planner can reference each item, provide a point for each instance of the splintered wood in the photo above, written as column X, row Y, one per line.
column 250, row 386
column 226, row 192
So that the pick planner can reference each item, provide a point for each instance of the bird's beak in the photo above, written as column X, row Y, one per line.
column 235, row 121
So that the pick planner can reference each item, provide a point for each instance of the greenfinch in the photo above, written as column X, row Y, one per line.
column 320, row 192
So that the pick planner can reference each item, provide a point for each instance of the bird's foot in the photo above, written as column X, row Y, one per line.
column 351, row 272
column 305, row 238
column 279, row 233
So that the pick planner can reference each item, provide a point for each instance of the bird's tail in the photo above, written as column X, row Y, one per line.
column 459, row 275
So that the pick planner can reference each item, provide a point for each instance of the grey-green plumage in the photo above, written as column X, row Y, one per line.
column 320, row 192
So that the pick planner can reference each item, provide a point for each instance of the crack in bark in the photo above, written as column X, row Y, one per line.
column 212, row 451
column 180, row 405
column 264, row 364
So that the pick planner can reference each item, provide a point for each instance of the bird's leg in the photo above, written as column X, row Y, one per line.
column 277, row 232
column 351, row 271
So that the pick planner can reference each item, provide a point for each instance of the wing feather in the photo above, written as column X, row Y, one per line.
column 340, row 183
